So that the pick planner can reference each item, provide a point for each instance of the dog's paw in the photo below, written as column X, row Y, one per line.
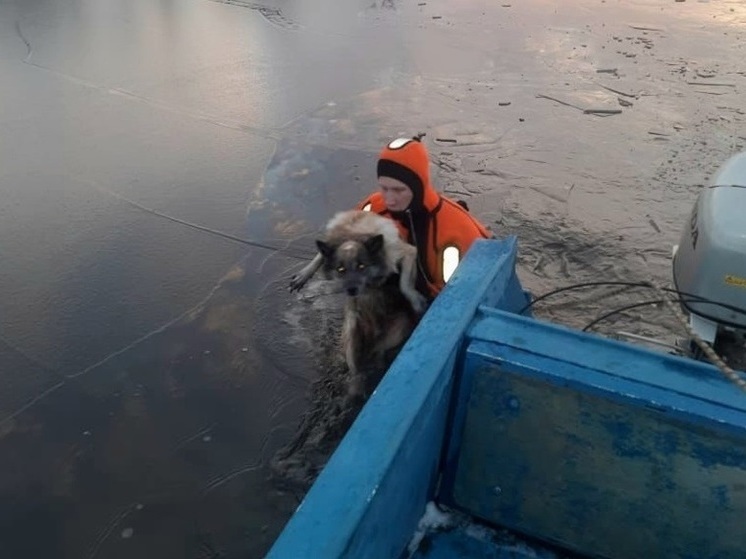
column 297, row 282
column 355, row 401
column 419, row 303
column 356, row 389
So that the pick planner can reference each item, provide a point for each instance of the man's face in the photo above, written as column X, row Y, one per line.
column 396, row 194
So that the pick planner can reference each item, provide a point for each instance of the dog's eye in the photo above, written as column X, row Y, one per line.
column 361, row 266
column 341, row 270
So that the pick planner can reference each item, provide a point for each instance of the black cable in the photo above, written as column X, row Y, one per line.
column 696, row 298
column 623, row 309
column 634, row 306
column 215, row 232
column 203, row 228
column 578, row 286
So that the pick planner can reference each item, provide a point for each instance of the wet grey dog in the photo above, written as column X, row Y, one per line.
column 363, row 251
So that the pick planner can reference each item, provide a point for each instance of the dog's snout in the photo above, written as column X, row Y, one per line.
column 352, row 291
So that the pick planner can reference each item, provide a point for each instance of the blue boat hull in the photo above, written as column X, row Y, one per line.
column 601, row 448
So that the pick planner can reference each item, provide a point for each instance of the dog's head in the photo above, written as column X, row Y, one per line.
column 358, row 264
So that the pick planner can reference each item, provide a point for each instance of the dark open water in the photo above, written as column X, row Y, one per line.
column 147, row 370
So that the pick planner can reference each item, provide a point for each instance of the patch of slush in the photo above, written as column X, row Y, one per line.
column 433, row 520
column 438, row 518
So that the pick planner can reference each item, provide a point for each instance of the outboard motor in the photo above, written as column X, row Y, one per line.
column 709, row 262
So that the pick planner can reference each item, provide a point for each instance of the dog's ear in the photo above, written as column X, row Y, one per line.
column 325, row 248
column 374, row 244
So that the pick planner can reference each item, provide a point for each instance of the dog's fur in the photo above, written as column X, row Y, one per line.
column 364, row 252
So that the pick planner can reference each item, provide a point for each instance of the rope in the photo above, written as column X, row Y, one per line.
column 716, row 360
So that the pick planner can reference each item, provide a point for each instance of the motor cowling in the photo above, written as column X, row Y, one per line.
column 710, row 260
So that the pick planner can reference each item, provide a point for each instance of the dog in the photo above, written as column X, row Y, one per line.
column 377, row 270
